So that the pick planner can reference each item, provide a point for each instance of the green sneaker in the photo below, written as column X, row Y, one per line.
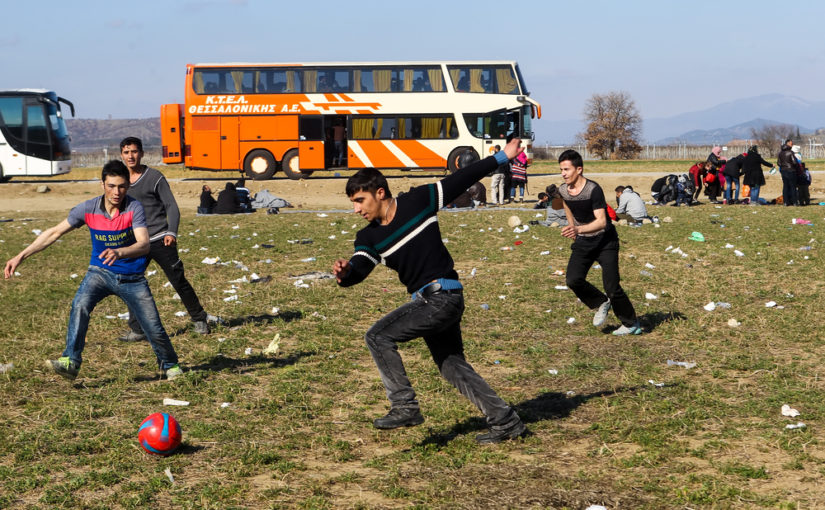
column 173, row 373
column 64, row 366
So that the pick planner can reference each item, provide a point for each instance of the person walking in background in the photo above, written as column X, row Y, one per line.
column 594, row 240
column 499, row 180
column 518, row 174
column 697, row 173
column 786, row 161
column 403, row 234
column 120, row 245
column 752, row 171
column 732, row 170
column 151, row 189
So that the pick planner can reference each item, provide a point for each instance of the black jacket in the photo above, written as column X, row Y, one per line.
column 228, row 202
column 715, row 162
column 733, row 167
column 752, row 169
column 786, row 159
column 207, row 200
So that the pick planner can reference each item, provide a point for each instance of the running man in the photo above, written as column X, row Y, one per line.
column 403, row 233
column 120, row 243
column 594, row 239
column 152, row 190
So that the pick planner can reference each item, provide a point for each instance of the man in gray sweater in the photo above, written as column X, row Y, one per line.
column 152, row 190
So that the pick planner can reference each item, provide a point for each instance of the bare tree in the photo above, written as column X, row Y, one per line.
column 613, row 126
column 770, row 137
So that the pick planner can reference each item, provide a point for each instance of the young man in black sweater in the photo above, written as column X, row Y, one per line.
column 403, row 233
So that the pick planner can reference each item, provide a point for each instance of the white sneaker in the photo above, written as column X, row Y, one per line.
column 633, row 330
column 601, row 314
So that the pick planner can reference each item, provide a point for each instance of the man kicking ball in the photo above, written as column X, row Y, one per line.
column 403, row 233
column 120, row 242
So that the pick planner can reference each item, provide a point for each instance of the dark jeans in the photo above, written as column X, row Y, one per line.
column 603, row 248
column 131, row 288
column 437, row 318
column 803, row 194
column 729, row 182
column 168, row 260
column 789, row 186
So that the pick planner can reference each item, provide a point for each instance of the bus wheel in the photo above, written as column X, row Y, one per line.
column 260, row 165
column 3, row 178
column 291, row 165
column 455, row 154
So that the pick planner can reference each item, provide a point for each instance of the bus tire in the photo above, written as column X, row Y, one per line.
column 455, row 154
column 3, row 178
column 291, row 165
column 260, row 165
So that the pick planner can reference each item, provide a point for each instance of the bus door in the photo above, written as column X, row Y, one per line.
column 311, row 142
column 230, row 160
column 206, row 147
column 496, row 126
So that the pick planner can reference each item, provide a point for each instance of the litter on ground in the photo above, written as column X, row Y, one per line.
column 685, row 364
column 789, row 411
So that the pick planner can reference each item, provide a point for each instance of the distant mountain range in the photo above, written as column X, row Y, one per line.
column 719, row 124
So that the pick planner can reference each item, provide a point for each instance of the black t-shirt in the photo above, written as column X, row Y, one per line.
column 582, row 205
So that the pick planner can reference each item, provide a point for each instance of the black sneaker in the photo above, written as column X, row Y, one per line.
column 497, row 436
column 399, row 418
column 64, row 366
column 131, row 336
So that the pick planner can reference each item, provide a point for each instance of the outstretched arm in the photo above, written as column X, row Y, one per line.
column 457, row 183
column 42, row 242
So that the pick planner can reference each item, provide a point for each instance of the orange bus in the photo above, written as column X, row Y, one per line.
column 299, row 118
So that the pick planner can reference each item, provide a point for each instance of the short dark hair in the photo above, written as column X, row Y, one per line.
column 369, row 180
column 543, row 195
column 114, row 168
column 619, row 189
column 573, row 157
column 131, row 140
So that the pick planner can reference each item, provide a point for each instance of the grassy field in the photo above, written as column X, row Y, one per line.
column 614, row 425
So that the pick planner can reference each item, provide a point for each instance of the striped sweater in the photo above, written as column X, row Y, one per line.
column 411, row 243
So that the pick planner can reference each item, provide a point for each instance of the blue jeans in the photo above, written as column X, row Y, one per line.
column 100, row 283
column 788, row 186
column 729, row 182
column 437, row 318
column 520, row 186
column 754, row 194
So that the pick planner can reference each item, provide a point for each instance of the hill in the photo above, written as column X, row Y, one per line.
column 96, row 133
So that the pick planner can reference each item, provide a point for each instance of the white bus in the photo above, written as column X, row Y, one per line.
column 33, row 136
column 262, row 118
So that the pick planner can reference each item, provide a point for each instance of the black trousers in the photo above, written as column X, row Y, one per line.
column 168, row 260
column 604, row 249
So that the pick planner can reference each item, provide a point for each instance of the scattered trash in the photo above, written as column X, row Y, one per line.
column 770, row 304
column 649, row 295
column 546, row 252
column 502, row 297
column 274, row 345
column 649, row 265
column 506, row 248
column 313, row 275
column 225, row 404
column 73, row 276
column 168, row 473
column 558, row 272
column 596, row 507
column 123, row 316
column 697, row 236
column 798, row 425
column 734, row 323
column 571, row 320
column 292, row 241
column 710, row 306
column 485, row 306
column 521, row 229
column 300, row 284
column 473, row 272
column 789, row 411
column 654, row 383
column 800, row 221
column 322, row 215
column 519, row 243
column 645, row 273
column 211, row 260
column 805, row 248
column 308, row 259
column 738, row 253
column 37, row 231
column 729, row 246
column 553, row 371
column 181, row 313
column 561, row 287
column 5, row 367
column 248, row 351
column 173, row 402
column 722, row 304
column 685, row 364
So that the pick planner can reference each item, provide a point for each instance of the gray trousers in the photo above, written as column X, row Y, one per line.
column 437, row 318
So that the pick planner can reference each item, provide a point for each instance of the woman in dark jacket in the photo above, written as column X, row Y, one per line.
column 752, row 169
column 228, row 201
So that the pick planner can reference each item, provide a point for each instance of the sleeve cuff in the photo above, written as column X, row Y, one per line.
column 501, row 158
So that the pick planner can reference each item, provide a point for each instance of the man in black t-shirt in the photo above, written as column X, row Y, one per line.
column 403, row 233
column 594, row 239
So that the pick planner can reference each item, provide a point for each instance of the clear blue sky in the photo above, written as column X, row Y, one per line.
column 124, row 59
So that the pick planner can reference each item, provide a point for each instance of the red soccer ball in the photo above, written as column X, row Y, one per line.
column 159, row 434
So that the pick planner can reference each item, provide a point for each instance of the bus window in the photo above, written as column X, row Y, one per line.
column 11, row 115
column 486, row 79
column 310, row 127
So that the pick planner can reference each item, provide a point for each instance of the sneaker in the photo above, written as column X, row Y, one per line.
column 131, row 336
column 214, row 319
column 173, row 373
column 64, row 366
column 601, row 314
column 399, row 418
column 497, row 436
column 633, row 330
column 201, row 327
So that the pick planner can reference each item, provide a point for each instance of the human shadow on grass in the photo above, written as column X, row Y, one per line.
column 547, row 406
column 245, row 364
column 652, row 320
column 284, row 316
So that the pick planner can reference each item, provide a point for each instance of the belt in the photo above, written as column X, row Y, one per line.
column 434, row 288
